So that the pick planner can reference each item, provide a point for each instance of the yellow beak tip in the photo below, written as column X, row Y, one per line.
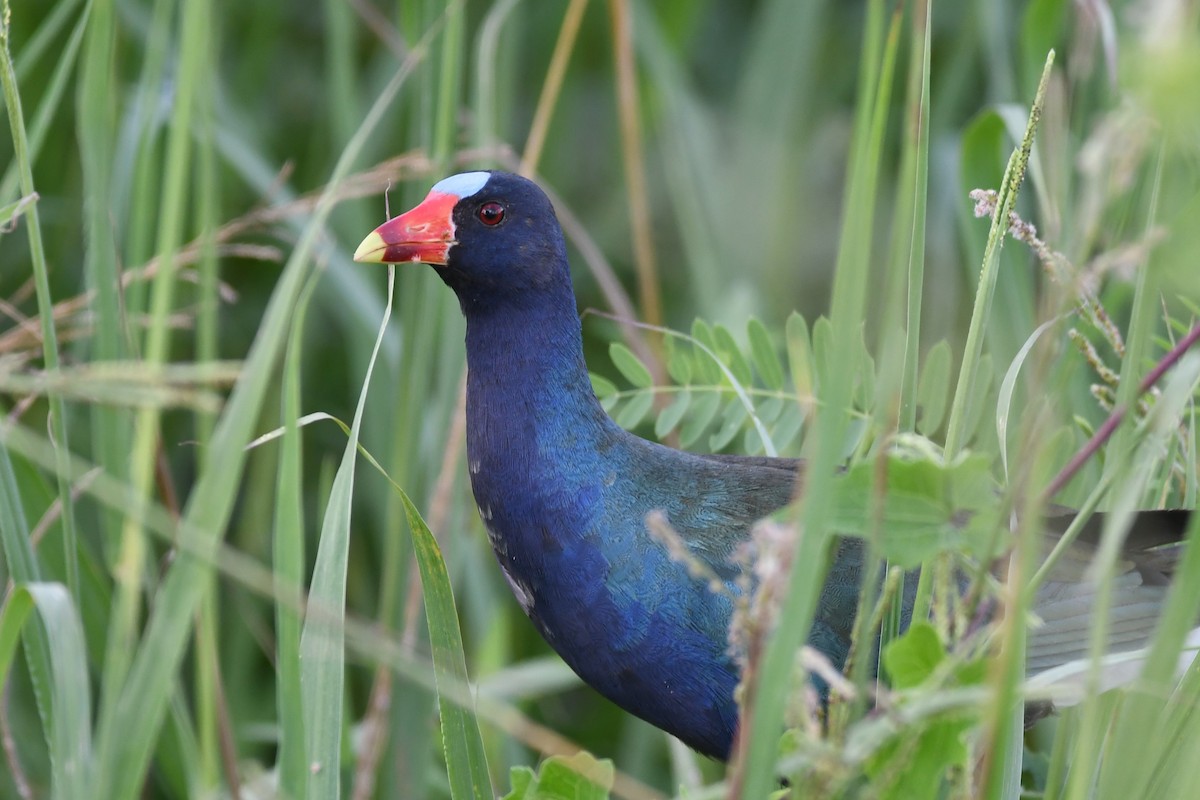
column 371, row 249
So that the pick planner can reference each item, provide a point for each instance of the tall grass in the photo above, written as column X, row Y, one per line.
column 197, row 203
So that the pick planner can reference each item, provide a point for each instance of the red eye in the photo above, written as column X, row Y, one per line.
column 491, row 213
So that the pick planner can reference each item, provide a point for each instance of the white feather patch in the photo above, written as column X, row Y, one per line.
column 464, row 184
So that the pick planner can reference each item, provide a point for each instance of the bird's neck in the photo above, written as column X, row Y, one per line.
column 529, row 398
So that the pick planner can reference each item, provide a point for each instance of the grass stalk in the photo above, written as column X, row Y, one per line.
column 754, row 772
column 50, row 354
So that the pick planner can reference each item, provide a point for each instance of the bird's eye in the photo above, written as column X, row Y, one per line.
column 491, row 213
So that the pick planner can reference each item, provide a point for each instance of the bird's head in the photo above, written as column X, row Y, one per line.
column 492, row 237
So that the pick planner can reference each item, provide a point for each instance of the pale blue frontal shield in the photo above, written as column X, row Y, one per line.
column 464, row 184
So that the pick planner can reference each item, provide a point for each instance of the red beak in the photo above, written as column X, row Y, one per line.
column 423, row 235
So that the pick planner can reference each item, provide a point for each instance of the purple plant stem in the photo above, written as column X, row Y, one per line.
column 1105, row 431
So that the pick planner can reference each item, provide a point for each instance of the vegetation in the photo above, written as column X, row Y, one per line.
column 213, row 422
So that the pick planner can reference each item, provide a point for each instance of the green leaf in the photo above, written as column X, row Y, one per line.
column 69, row 731
column 752, row 443
column 11, row 212
column 323, row 638
column 769, row 410
column 917, row 759
column 672, row 414
column 601, row 386
column 791, row 422
column 732, row 421
column 933, row 388
column 980, row 394
column 629, row 365
column 800, row 358
column 927, row 507
column 1041, row 31
column 703, row 411
column 633, row 412
column 864, row 390
column 913, row 657
column 732, row 354
column 466, row 762
column 707, row 369
column 822, row 347
column 578, row 777
column 679, row 362
column 128, row 728
column 766, row 360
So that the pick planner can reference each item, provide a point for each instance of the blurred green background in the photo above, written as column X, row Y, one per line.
column 154, row 124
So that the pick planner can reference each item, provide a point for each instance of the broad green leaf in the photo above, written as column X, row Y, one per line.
column 601, row 386
column 1178, row 253
column 702, row 412
column 927, row 508
column 981, row 393
column 822, row 349
column 635, row 410
column 672, row 414
column 766, row 360
column 679, row 361
column 731, row 422
column 864, row 390
column 800, row 356
column 732, row 355
column 914, row 764
column 789, row 425
column 629, row 365
column 933, row 388
column 577, row 777
column 706, row 369
column 752, row 444
column 1041, row 31
column 770, row 409
column 913, row 657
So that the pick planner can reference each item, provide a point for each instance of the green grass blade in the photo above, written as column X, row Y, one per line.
column 50, row 355
column 58, row 626
column 322, row 642
column 463, row 744
column 956, row 428
column 128, row 730
column 849, row 297
column 288, row 565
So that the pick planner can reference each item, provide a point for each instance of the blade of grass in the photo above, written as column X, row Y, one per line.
column 111, row 426
column 128, row 728
column 23, row 567
column 69, row 734
column 633, row 160
column 288, row 568
column 51, row 98
column 1010, row 186
column 58, row 411
column 130, row 568
column 463, row 745
column 322, row 641
column 763, row 711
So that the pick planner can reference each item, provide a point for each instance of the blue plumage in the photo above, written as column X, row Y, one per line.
column 564, row 492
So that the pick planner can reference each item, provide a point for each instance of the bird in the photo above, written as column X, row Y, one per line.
column 564, row 492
